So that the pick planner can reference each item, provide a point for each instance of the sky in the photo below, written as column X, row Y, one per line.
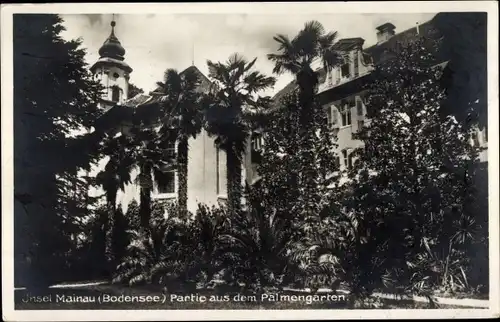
column 156, row 42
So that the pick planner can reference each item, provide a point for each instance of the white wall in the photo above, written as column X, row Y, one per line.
column 202, row 171
column 107, row 80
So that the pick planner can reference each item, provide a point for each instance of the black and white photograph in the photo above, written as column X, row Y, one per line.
column 300, row 160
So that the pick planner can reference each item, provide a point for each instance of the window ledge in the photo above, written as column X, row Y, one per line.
column 166, row 196
column 344, row 126
column 221, row 197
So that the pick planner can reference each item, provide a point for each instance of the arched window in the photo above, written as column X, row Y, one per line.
column 115, row 94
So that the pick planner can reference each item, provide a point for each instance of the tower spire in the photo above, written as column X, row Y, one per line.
column 113, row 24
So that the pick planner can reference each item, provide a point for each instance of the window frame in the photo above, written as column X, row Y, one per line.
column 343, row 67
column 345, row 112
column 171, row 152
column 347, row 160
column 257, row 142
column 171, row 184
column 332, row 116
column 356, row 63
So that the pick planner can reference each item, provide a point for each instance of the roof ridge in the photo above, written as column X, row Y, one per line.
column 399, row 33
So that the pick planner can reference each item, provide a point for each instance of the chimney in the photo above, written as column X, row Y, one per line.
column 385, row 32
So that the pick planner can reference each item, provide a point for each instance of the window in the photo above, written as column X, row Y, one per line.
column 257, row 142
column 347, row 158
column 337, row 162
column 345, row 114
column 166, row 183
column 356, row 63
column 217, row 173
column 345, row 70
column 170, row 150
column 115, row 94
column 331, row 116
column 115, row 75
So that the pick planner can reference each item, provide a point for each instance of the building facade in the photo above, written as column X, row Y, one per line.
column 341, row 93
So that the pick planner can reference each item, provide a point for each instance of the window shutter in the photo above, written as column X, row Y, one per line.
column 330, row 77
column 356, row 63
column 337, row 72
column 349, row 111
column 334, row 115
column 359, row 106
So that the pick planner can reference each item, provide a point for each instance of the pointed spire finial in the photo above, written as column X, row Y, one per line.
column 113, row 24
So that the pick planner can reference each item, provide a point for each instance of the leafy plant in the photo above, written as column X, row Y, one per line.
column 254, row 249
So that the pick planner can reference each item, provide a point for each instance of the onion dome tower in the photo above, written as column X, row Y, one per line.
column 112, row 70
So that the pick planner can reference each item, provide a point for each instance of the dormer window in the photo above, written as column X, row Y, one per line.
column 356, row 63
column 344, row 70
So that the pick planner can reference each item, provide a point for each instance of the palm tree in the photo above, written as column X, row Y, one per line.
column 207, row 227
column 152, row 162
column 182, row 102
column 152, row 255
column 297, row 55
column 232, row 99
column 115, row 176
column 256, row 245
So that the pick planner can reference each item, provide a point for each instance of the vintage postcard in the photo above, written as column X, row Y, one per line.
column 241, row 161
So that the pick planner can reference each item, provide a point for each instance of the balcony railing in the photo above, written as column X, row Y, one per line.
column 331, row 84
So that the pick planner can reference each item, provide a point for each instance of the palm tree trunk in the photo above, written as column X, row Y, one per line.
column 109, row 229
column 145, row 198
column 182, row 160
column 234, row 186
column 307, row 81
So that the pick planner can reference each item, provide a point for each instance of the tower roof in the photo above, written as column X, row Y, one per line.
column 112, row 53
column 112, row 48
